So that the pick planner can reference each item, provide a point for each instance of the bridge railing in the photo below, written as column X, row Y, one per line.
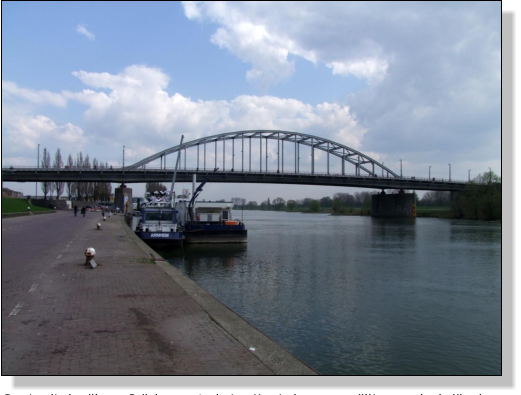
column 256, row 173
column 4, row 168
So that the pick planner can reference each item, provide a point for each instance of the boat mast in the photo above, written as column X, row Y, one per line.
column 175, row 171
column 196, row 194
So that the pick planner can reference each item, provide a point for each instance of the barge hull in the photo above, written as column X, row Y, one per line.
column 210, row 239
column 199, row 234
column 161, row 239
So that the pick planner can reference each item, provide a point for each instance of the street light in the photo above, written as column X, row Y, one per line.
column 123, row 156
column 490, row 175
column 401, row 174
column 38, row 166
column 383, row 169
column 430, row 172
column 449, row 171
column 469, row 174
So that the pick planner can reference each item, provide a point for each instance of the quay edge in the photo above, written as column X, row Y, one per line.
column 274, row 356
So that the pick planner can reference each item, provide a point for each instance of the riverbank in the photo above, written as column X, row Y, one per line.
column 421, row 212
column 134, row 314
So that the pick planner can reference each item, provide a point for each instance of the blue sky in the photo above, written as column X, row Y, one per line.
column 414, row 81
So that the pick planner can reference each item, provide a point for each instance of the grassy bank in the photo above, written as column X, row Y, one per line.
column 434, row 212
column 12, row 205
column 421, row 211
column 425, row 211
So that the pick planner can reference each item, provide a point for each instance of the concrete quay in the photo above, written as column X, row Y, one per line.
column 134, row 314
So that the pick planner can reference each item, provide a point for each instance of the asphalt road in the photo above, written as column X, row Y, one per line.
column 31, row 247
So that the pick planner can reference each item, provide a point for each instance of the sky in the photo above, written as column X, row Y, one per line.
column 416, row 81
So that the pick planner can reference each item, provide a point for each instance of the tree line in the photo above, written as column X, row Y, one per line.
column 95, row 191
column 358, row 199
column 481, row 201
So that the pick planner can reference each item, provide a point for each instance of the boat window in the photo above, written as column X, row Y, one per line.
column 225, row 215
column 166, row 216
column 155, row 216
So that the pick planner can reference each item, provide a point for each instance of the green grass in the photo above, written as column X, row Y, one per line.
column 354, row 210
column 11, row 205
column 431, row 209
column 434, row 211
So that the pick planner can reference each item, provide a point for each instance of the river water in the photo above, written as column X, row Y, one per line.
column 363, row 296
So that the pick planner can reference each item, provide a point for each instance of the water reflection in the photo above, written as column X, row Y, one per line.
column 359, row 295
column 477, row 232
column 193, row 257
column 393, row 233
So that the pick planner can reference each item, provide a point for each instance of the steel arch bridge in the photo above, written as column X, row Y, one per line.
column 363, row 164
column 252, row 164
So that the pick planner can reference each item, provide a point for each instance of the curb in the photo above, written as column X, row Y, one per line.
column 13, row 215
column 275, row 357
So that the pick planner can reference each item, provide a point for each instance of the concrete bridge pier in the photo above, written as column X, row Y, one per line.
column 400, row 205
column 123, row 198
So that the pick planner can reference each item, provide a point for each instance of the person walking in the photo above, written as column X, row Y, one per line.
column 83, row 211
column 75, row 209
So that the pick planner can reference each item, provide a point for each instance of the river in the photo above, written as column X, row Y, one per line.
column 363, row 296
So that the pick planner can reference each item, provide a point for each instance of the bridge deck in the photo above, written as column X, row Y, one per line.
column 120, row 175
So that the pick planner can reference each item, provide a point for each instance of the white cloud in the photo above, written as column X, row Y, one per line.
column 10, row 89
column 137, row 108
column 267, row 35
column 134, row 107
column 191, row 10
column 83, row 30
column 372, row 70
column 251, row 40
column 22, row 133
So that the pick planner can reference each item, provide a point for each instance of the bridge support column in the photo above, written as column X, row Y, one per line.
column 399, row 205
column 123, row 198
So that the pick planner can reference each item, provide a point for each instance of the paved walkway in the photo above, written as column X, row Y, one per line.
column 129, row 316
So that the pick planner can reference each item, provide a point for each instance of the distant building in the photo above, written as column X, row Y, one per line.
column 10, row 193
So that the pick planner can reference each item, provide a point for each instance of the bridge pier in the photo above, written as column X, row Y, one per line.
column 401, row 205
column 123, row 198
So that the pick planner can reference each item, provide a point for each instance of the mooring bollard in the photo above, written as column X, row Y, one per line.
column 104, row 218
column 89, row 257
column 98, row 226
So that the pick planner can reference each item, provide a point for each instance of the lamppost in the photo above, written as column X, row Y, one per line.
column 430, row 172
column 449, row 171
column 490, row 175
column 123, row 156
column 469, row 174
column 38, row 166
column 382, row 169
column 401, row 174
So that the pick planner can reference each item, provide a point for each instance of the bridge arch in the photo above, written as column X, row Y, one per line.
column 363, row 164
